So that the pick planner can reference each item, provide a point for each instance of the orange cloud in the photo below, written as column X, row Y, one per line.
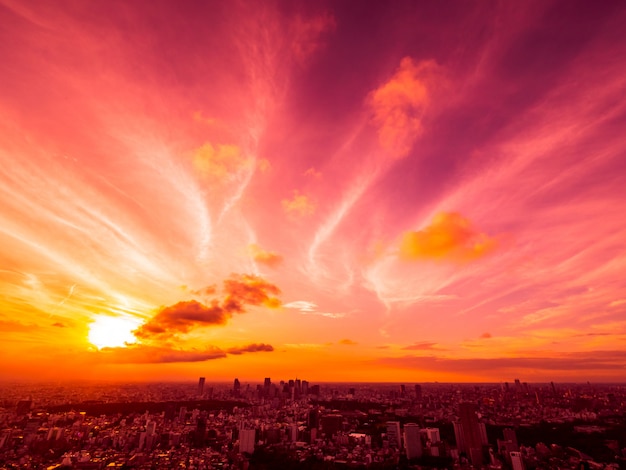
column 347, row 342
column 449, row 236
column 399, row 105
column 205, row 291
column 262, row 256
column 220, row 162
column 486, row 336
column 240, row 291
column 300, row 205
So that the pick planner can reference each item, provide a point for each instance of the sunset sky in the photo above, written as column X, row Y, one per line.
column 332, row 190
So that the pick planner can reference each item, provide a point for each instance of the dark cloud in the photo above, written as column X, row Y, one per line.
column 250, row 290
column 251, row 348
column 595, row 360
column 140, row 354
column 240, row 291
column 423, row 346
column 143, row 354
column 347, row 342
column 596, row 334
column 182, row 317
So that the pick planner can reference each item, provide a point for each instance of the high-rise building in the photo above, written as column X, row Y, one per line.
column 470, row 433
column 200, row 386
column 459, row 436
column 314, row 418
column 412, row 441
column 418, row 392
column 246, row 440
column 516, row 461
column 200, row 436
column 432, row 434
column 293, row 432
column 393, row 434
column 236, row 388
column 331, row 424
column 509, row 435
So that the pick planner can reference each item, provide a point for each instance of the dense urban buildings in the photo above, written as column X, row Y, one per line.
column 294, row 424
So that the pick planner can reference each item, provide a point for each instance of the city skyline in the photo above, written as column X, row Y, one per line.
column 339, row 191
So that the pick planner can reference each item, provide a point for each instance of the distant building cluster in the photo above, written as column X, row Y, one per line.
column 296, row 424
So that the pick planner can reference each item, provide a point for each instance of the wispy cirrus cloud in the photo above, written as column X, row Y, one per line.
column 309, row 34
column 310, row 308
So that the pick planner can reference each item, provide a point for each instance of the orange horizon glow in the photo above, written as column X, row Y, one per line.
column 398, row 194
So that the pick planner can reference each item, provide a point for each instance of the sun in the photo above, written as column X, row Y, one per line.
column 112, row 332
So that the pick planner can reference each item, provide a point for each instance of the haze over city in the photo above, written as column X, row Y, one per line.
column 342, row 191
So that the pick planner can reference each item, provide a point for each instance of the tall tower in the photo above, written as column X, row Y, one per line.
column 200, row 386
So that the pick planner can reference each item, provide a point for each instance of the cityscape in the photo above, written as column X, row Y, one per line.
column 297, row 424
column 313, row 234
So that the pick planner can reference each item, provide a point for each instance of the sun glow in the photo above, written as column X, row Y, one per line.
column 106, row 331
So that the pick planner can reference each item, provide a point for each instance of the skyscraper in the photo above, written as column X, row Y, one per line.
column 432, row 434
column 200, row 386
